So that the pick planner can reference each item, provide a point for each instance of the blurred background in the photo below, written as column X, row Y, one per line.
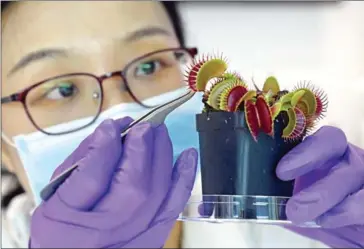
column 322, row 42
column 291, row 38
column 318, row 41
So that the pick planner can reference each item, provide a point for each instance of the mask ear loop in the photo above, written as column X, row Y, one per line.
column 7, row 140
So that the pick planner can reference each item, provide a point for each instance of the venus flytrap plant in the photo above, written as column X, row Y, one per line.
column 303, row 106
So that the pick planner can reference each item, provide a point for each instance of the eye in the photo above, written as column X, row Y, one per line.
column 61, row 91
column 147, row 68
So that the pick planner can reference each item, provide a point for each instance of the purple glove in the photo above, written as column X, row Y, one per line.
column 329, row 188
column 121, row 196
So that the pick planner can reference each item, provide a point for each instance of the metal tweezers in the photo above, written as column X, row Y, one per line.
column 156, row 116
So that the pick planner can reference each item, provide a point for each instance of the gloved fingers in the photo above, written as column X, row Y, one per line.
column 310, row 203
column 76, row 155
column 89, row 182
column 206, row 208
column 136, row 193
column 316, row 151
column 131, row 183
column 183, row 179
column 162, row 167
column 135, row 166
column 162, row 160
column 83, row 148
column 349, row 212
column 151, row 196
column 47, row 232
column 310, row 178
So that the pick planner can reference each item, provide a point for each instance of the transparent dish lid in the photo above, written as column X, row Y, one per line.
column 233, row 208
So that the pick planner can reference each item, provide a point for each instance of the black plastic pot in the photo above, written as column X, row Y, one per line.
column 233, row 163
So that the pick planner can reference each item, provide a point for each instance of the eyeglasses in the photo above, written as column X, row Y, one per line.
column 80, row 96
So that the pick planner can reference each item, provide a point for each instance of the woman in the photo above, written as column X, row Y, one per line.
column 146, row 49
column 123, row 195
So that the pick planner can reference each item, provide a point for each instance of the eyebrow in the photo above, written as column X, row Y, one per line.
column 36, row 56
column 56, row 52
column 145, row 32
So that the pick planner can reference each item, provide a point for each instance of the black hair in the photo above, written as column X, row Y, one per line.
column 170, row 7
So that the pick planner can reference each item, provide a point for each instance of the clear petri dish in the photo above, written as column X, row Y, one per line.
column 233, row 208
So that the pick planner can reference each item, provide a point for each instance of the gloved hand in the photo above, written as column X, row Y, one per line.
column 121, row 195
column 329, row 188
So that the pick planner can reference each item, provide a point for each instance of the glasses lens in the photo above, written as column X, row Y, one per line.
column 151, row 77
column 54, row 103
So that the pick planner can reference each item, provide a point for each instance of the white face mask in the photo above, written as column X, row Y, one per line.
column 42, row 154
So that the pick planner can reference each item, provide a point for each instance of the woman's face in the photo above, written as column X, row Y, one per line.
column 45, row 39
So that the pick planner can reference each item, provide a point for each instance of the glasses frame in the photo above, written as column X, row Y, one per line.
column 22, row 94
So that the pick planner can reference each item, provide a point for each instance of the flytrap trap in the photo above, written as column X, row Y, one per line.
column 244, row 130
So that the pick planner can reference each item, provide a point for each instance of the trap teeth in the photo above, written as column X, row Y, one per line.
column 303, row 106
column 192, row 75
column 204, row 70
column 217, row 88
column 233, row 75
column 315, row 97
column 230, row 96
column 296, row 125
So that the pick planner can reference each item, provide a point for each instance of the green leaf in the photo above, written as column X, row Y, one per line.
column 210, row 69
column 286, row 106
column 276, row 109
column 291, row 123
column 297, row 96
column 286, row 98
column 271, row 84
